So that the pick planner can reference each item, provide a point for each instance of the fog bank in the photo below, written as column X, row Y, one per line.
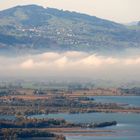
column 71, row 64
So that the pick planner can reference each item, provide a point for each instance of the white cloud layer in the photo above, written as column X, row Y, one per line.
column 71, row 64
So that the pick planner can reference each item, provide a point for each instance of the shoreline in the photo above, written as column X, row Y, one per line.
column 126, row 111
column 80, row 132
column 77, row 130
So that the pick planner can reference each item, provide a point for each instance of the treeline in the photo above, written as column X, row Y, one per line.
column 49, row 123
column 53, row 105
column 15, row 134
column 33, row 123
column 131, row 91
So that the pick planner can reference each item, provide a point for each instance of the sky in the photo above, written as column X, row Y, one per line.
column 122, row 11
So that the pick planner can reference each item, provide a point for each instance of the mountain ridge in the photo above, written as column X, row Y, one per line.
column 39, row 29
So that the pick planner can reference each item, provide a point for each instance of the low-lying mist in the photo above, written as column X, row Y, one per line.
column 72, row 64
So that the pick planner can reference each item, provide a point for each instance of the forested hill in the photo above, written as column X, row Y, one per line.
column 33, row 28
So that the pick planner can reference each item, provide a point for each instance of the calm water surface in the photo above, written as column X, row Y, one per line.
column 7, row 117
column 128, row 127
column 103, row 138
column 131, row 100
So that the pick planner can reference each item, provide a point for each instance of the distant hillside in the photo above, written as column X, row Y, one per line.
column 35, row 29
column 132, row 23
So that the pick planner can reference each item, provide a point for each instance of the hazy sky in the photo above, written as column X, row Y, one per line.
column 117, row 10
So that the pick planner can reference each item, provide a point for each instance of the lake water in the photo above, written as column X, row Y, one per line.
column 103, row 138
column 7, row 117
column 131, row 100
column 128, row 127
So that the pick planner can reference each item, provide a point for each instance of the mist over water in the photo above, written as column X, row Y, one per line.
column 123, row 66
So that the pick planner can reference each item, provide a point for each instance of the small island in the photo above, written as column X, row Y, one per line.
column 26, row 128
